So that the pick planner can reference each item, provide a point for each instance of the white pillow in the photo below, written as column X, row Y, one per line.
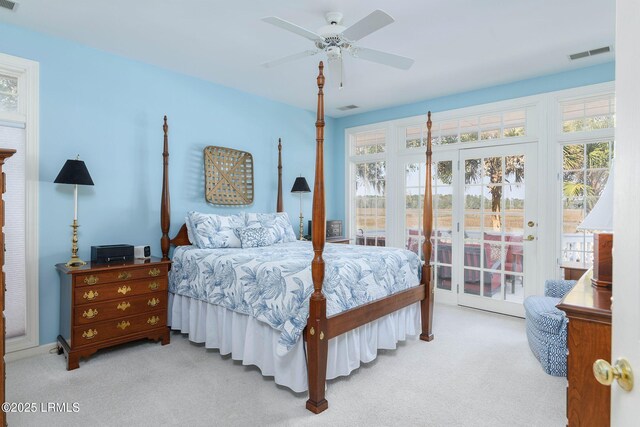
column 278, row 225
column 211, row 231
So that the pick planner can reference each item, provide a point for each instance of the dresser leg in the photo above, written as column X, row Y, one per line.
column 166, row 337
column 73, row 361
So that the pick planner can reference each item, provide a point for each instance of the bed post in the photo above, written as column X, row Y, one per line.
column 165, row 204
column 426, row 304
column 279, row 204
column 316, row 330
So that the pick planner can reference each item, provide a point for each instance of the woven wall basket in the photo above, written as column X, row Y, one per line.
column 228, row 176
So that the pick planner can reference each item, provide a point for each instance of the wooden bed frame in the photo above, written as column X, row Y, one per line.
column 320, row 328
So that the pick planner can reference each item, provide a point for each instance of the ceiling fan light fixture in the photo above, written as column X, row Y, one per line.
column 333, row 52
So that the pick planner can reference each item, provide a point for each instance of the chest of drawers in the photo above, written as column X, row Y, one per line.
column 102, row 305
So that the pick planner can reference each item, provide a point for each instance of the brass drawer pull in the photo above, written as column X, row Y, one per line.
column 123, row 306
column 91, row 333
column 124, row 275
column 153, row 302
column 91, row 295
column 123, row 325
column 153, row 286
column 123, row 290
column 154, row 272
column 91, row 280
column 153, row 320
column 90, row 314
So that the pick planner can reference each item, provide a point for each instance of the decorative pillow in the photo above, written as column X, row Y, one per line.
column 255, row 237
column 211, row 231
column 278, row 225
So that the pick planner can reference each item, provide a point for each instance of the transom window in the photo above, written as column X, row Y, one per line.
column 8, row 94
column 372, row 142
column 588, row 114
column 505, row 124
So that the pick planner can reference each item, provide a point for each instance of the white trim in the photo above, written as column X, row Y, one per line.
column 28, row 73
column 30, row 352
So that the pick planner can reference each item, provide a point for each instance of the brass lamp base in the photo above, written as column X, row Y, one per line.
column 301, row 226
column 75, row 261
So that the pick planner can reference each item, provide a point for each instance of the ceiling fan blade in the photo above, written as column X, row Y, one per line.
column 385, row 58
column 293, row 57
column 367, row 25
column 335, row 76
column 296, row 29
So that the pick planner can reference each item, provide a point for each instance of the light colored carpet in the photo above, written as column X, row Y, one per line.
column 478, row 371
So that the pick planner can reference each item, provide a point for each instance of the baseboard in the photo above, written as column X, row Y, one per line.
column 30, row 352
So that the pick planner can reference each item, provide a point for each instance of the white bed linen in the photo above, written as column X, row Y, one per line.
column 255, row 343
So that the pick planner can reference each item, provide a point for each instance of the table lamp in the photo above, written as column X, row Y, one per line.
column 300, row 186
column 600, row 220
column 74, row 172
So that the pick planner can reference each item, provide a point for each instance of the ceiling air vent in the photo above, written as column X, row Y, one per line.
column 8, row 4
column 586, row 53
column 345, row 108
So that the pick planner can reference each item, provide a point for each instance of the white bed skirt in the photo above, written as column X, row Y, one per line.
column 255, row 343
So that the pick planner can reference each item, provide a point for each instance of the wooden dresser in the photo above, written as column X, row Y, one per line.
column 574, row 270
column 589, row 339
column 4, row 154
column 102, row 305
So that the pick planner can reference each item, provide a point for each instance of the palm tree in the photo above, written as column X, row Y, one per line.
column 595, row 158
column 492, row 167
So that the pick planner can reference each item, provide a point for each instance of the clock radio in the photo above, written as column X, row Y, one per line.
column 142, row 252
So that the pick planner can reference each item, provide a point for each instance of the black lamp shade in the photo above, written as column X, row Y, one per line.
column 74, row 172
column 300, row 186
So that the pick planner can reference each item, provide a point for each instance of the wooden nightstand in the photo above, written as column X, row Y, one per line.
column 343, row 240
column 102, row 305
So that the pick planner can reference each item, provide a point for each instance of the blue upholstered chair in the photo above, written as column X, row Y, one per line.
column 547, row 327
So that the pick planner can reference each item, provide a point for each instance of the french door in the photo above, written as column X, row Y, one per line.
column 484, row 226
column 496, row 250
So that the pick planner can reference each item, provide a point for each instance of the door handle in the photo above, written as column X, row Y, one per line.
column 530, row 237
column 531, row 224
column 621, row 371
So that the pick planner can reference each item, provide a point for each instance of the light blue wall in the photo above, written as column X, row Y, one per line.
column 109, row 110
column 581, row 77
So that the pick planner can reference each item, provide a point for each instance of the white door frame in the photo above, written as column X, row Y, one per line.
column 626, row 226
column 530, row 214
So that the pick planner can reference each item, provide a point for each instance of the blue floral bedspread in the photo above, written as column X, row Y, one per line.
column 273, row 283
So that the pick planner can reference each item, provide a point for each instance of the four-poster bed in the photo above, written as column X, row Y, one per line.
column 320, row 328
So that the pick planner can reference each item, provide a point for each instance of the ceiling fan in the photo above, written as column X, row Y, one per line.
column 337, row 40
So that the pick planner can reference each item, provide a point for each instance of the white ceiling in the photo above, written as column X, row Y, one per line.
column 458, row 45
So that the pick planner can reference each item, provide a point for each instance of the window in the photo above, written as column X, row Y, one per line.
column 588, row 114
column 475, row 128
column 8, row 93
column 442, row 236
column 585, row 170
column 19, row 130
column 369, row 142
column 370, row 203
column 369, row 182
column 572, row 130
column 15, row 232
